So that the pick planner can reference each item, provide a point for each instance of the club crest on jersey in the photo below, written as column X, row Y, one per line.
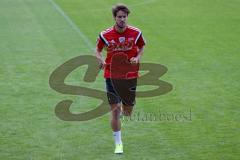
column 121, row 39
column 130, row 39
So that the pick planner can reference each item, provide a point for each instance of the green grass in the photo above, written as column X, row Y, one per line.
column 198, row 41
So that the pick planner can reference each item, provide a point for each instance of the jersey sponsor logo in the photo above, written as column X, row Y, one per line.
column 123, row 45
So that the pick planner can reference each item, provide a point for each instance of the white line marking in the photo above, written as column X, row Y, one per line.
column 77, row 29
column 129, row 5
column 142, row 3
column 74, row 26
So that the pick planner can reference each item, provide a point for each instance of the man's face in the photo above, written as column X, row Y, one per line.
column 121, row 19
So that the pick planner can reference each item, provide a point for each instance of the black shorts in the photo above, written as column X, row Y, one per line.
column 121, row 90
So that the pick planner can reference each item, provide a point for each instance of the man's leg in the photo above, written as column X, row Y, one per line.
column 116, row 127
column 115, row 103
column 115, row 117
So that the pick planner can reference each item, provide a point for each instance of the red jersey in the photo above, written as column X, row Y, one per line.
column 121, row 47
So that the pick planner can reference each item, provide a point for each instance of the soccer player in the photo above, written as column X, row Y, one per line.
column 124, row 45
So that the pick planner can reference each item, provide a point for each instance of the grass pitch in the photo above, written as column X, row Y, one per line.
column 198, row 41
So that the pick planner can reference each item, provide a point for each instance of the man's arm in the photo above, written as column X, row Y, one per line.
column 138, row 57
column 100, row 59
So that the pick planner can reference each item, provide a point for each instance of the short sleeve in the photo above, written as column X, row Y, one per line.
column 100, row 44
column 140, row 42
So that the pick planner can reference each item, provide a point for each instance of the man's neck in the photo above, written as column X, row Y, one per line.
column 120, row 30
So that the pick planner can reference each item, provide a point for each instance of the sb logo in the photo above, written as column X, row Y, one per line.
column 56, row 82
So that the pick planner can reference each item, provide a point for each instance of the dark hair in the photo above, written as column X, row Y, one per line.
column 120, row 7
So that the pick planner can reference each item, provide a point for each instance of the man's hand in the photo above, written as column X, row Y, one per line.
column 99, row 57
column 102, row 64
column 134, row 60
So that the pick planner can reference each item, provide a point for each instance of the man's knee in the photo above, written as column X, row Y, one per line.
column 115, row 110
column 127, row 110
